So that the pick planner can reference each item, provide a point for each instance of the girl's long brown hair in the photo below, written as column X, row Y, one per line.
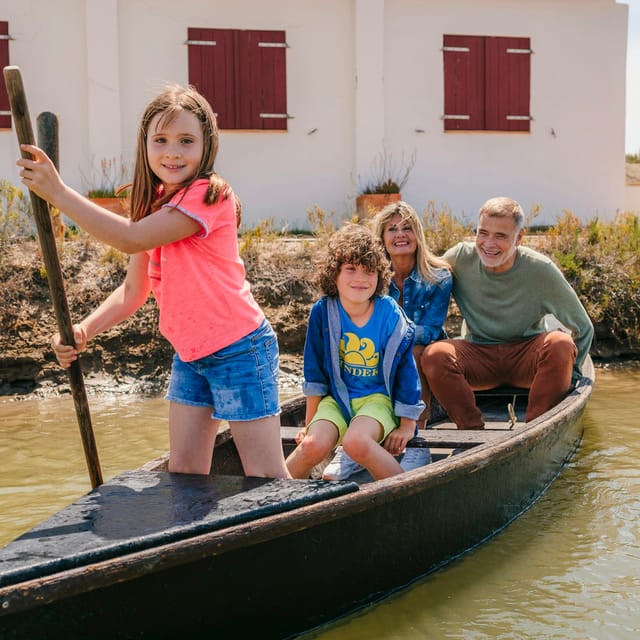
column 145, row 195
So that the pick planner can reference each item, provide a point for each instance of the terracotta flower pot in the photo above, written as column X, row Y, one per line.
column 368, row 204
column 112, row 204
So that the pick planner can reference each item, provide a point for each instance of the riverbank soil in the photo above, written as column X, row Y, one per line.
column 133, row 357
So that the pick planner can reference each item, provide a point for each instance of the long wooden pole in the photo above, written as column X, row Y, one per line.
column 22, row 123
column 47, row 126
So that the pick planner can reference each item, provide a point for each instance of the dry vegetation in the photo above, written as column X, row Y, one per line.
column 600, row 260
column 132, row 357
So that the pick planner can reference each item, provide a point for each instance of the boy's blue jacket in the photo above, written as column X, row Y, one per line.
column 322, row 375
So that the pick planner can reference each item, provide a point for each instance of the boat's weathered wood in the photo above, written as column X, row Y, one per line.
column 436, row 513
column 449, row 438
column 441, row 437
column 139, row 509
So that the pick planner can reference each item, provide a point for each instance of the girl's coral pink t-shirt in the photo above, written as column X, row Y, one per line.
column 199, row 282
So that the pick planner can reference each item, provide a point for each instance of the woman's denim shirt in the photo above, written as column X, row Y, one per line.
column 321, row 364
column 425, row 303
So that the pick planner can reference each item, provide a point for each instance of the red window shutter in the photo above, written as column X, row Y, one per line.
column 211, row 71
column 272, row 49
column 247, row 65
column 464, row 95
column 508, row 77
column 262, row 97
column 5, row 118
column 242, row 74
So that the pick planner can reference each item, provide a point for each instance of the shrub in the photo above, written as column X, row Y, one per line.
column 387, row 177
column 108, row 179
column 442, row 229
column 601, row 262
column 15, row 215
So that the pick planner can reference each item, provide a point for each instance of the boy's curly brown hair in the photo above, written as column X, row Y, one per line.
column 352, row 244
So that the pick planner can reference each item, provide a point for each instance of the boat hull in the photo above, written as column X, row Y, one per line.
column 289, row 572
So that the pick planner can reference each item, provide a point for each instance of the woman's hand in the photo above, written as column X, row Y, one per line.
column 66, row 354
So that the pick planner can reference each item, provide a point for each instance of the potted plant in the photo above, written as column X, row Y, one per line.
column 385, row 186
column 106, row 189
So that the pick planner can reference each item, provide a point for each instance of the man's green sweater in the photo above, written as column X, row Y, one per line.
column 511, row 306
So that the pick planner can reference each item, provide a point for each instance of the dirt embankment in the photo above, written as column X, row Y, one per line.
column 133, row 357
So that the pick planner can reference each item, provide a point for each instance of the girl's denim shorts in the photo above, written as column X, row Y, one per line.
column 239, row 382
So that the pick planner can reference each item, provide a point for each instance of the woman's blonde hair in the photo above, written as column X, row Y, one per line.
column 352, row 244
column 427, row 263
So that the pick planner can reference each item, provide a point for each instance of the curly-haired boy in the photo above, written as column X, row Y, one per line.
column 360, row 377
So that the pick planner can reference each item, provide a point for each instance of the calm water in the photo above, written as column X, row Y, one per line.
column 568, row 568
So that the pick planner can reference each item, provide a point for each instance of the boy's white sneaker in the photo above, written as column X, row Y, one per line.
column 415, row 457
column 341, row 467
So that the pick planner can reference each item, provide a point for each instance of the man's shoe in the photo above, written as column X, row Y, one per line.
column 341, row 467
column 415, row 457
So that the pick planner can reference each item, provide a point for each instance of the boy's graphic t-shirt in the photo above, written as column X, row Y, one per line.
column 362, row 350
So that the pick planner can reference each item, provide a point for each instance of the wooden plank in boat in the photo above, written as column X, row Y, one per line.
column 439, row 437
column 461, row 438
column 141, row 509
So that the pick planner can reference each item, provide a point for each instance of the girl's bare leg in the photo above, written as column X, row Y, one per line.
column 260, row 448
column 192, row 434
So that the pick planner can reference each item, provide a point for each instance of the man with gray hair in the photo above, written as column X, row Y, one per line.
column 504, row 291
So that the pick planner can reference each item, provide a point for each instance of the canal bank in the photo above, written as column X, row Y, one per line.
column 133, row 357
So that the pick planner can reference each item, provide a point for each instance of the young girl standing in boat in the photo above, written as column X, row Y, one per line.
column 182, row 239
column 360, row 377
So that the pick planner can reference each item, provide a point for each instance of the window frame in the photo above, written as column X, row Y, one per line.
column 5, row 109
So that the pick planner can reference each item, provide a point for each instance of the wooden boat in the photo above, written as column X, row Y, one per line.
column 153, row 554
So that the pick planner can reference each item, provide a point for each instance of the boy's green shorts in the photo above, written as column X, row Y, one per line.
column 376, row 406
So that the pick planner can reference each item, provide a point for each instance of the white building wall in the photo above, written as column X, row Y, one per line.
column 103, row 78
column 49, row 47
column 574, row 155
column 362, row 76
column 632, row 198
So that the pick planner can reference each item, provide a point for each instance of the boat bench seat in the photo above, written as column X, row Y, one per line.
column 503, row 391
column 457, row 438
column 443, row 438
